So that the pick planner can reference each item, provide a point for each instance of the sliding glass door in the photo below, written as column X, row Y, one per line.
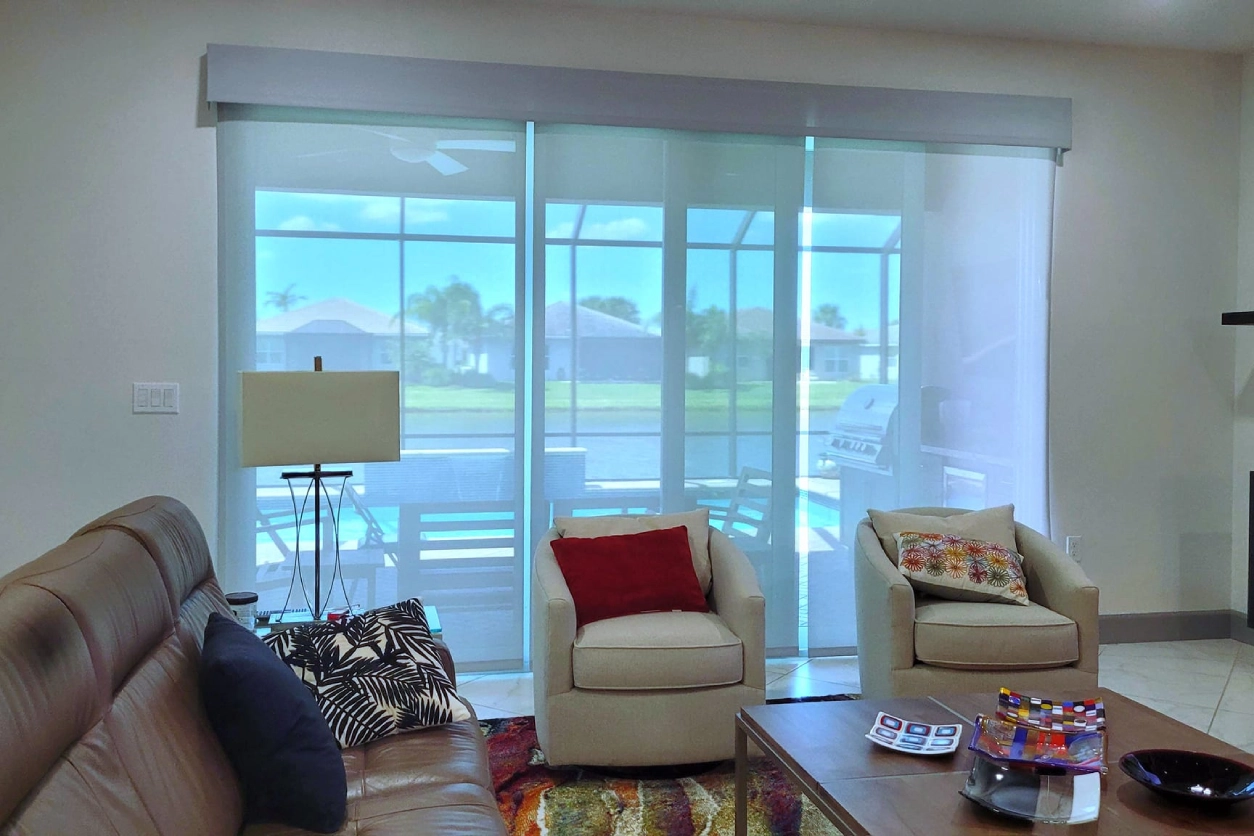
column 390, row 246
column 924, row 360
column 740, row 198
column 660, row 328
column 604, row 320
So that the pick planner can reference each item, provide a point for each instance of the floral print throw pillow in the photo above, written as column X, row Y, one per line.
column 961, row 570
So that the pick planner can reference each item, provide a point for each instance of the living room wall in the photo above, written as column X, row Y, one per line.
column 108, row 244
column 1243, row 392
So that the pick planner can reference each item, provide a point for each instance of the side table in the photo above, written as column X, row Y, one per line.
column 297, row 617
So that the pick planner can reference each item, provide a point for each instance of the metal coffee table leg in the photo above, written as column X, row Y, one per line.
column 742, row 781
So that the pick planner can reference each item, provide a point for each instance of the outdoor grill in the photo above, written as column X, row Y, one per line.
column 865, row 434
column 863, row 448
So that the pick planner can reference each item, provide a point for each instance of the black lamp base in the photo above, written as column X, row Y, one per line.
column 316, row 476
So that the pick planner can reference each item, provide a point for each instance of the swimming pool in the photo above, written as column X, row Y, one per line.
column 819, row 512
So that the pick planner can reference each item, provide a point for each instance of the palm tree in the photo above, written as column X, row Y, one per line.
column 453, row 312
column 284, row 299
column 498, row 321
column 709, row 330
column 465, row 316
column 830, row 315
column 431, row 307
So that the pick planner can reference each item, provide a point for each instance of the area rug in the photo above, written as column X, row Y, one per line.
column 698, row 800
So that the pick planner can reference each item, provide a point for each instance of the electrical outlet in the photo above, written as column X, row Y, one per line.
column 1073, row 546
column 155, row 397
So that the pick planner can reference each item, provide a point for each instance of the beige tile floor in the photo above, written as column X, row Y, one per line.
column 510, row 694
column 1206, row 684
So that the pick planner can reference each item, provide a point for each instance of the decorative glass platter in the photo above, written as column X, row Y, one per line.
column 999, row 740
column 1055, row 715
column 913, row 737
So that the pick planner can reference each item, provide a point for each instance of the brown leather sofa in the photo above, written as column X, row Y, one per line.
column 101, row 725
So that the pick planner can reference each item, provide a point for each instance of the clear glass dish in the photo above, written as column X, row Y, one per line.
column 1040, row 794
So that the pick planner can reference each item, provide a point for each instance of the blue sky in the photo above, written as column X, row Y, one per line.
column 369, row 271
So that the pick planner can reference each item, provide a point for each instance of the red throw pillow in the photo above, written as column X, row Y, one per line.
column 627, row 574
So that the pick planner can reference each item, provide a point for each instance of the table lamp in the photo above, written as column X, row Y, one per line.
column 298, row 418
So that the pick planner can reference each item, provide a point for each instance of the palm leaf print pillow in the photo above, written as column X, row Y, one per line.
column 374, row 674
column 961, row 570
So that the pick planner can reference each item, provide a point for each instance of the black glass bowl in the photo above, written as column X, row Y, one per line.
column 1202, row 778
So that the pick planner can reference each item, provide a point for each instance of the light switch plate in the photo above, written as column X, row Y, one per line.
column 155, row 397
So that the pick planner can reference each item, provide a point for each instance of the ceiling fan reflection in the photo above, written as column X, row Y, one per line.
column 424, row 147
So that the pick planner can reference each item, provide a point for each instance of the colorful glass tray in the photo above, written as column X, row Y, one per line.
column 913, row 737
column 1008, row 742
column 1054, row 715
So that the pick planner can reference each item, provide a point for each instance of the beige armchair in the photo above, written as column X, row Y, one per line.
column 911, row 645
column 651, row 689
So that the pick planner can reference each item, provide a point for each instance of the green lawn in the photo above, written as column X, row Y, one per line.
column 608, row 396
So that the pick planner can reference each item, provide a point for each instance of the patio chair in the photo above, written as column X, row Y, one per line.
column 747, row 520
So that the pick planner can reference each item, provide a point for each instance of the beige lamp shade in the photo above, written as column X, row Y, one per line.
column 298, row 418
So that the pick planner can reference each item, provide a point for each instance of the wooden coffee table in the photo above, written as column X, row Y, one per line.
column 866, row 789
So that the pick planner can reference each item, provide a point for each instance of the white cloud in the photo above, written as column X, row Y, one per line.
column 304, row 223
column 417, row 217
column 427, row 210
column 562, row 230
column 381, row 209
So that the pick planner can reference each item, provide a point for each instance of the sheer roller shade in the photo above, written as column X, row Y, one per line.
column 785, row 329
column 384, row 245
column 937, row 261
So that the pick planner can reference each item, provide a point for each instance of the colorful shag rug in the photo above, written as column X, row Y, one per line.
column 538, row 800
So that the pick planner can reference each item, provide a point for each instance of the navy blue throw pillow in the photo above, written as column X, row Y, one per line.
column 274, row 735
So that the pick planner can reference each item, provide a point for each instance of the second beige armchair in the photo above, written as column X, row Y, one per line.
column 911, row 645
column 650, row 689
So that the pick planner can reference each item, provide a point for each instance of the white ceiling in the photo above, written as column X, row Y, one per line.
column 1217, row 25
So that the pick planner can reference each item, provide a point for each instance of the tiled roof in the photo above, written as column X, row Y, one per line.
column 590, row 324
column 337, row 316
